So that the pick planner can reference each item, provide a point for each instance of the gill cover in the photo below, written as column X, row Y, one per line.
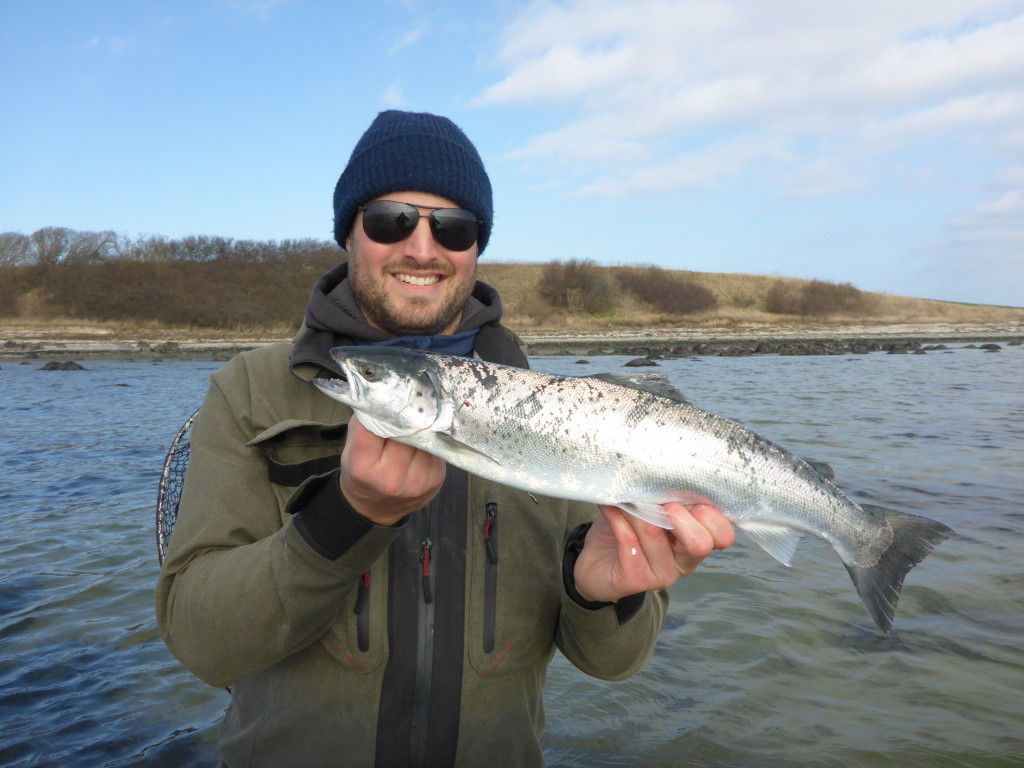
column 392, row 398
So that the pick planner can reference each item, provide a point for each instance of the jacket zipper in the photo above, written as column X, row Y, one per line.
column 420, row 702
column 490, row 533
column 425, row 546
column 424, row 648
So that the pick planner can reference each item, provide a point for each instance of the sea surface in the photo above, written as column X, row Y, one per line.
column 759, row 665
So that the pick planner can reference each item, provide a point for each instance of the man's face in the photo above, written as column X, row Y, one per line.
column 414, row 286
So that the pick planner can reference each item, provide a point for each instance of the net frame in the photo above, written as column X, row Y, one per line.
column 172, row 478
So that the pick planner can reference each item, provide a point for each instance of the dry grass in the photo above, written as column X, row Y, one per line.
column 742, row 301
column 228, row 301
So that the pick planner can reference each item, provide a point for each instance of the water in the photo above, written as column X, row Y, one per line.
column 758, row 665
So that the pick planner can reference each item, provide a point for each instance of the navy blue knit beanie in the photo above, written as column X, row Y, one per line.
column 418, row 152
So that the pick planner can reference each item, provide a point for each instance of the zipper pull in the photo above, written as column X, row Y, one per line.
column 492, row 513
column 364, row 593
column 428, row 593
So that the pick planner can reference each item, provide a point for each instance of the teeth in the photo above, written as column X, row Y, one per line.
column 418, row 279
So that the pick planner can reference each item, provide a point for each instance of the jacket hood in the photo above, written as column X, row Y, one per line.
column 334, row 319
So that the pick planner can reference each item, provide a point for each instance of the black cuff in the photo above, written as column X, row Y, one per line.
column 325, row 519
column 625, row 609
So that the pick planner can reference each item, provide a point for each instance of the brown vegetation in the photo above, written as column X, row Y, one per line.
column 60, row 278
column 818, row 298
column 666, row 291
column 578, row 286
column 742, row 301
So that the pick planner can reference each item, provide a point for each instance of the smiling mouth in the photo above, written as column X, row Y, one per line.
column 417, row 279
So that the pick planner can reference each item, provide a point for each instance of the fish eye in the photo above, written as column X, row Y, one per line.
column 368, row 371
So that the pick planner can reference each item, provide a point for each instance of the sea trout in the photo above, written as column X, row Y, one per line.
column 587, row 439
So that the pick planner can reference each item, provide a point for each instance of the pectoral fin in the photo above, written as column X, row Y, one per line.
column 651, row 513
column 655, row 513
column 461, row 449
column 778, row 541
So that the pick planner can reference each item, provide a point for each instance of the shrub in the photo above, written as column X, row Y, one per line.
column 783, row 298
column 819, row 299
column 578, row 286
column 216, row 293
column 664, row 291
column 13, row 285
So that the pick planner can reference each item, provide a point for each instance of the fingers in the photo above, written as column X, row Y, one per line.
column 624, row 555
column 697, row 531
column 723, row 535
column 372, row 455
column 385, row 480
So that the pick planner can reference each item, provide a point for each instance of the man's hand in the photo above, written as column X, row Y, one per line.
column 385, row 480
column 624, row 555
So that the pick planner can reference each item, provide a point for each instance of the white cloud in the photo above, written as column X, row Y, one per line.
column 258, row 8
column 393, row 97
column 704, row 168
column 122, row 45
column 986, row 244
column 406, row 40
column 981, row 110
column 1011, row 175
column 1006, row 211
column 823, row 176
column 117, row 45
column 837, row 80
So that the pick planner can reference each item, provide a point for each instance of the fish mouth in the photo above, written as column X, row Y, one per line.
column 335, row 384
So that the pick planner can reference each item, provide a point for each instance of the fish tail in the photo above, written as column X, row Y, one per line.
column 879, row 585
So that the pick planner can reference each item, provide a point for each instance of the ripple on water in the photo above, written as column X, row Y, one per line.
column 759, row 665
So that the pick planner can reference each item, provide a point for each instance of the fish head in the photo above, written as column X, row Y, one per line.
column 394, row 391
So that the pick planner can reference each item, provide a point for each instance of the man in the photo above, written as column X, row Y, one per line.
column 384, row 608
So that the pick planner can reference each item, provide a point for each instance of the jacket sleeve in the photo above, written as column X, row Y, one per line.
column 605, row 640
column 239, row 591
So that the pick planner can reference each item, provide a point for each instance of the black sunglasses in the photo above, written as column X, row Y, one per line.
column 388, row 221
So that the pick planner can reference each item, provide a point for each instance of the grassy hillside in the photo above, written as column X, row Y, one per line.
column 269, row 297
column 742, row 300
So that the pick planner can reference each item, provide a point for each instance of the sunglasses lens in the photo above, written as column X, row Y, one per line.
column 454, row 228
column 386, row 221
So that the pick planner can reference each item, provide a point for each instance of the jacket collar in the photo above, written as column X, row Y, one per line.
column 333, row 319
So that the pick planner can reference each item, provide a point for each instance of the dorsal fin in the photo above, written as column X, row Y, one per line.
column 654, row 383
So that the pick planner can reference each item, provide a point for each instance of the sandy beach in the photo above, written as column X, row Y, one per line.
column 90, row 342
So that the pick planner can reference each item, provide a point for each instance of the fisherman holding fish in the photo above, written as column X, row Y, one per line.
column 366, row 602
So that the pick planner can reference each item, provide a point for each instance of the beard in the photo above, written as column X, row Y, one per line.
column 409, row 316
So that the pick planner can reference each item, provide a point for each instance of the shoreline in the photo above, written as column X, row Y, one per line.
column 810, row 339
column 84, row 343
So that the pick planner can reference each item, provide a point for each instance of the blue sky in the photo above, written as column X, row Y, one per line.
column 877, row 143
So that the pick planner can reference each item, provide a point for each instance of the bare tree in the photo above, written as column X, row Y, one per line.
column 92, row 247
column 15, row 249
column 50, row 245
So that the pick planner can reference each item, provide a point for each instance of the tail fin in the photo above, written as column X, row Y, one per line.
column 879, row 586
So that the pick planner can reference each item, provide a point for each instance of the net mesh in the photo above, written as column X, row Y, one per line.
column 171, row 481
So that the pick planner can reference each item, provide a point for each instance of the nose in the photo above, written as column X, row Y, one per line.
column 420, row 245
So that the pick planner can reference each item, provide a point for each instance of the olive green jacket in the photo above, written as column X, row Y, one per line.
column 309, row 645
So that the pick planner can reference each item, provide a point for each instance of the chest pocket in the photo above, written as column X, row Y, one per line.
column 298, row 450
